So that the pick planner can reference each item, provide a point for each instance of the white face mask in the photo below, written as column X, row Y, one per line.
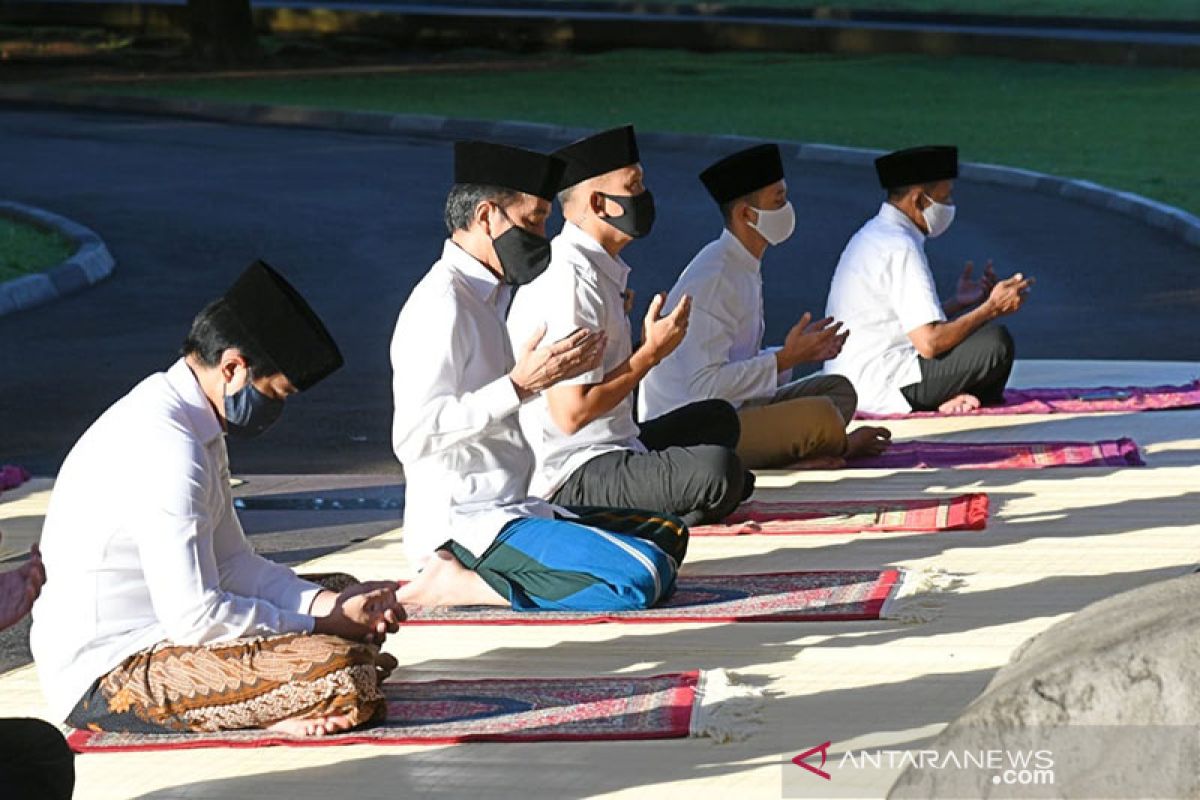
column 775, row 225
column 938, row 216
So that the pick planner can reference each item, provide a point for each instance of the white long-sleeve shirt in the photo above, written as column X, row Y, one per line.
column 455, row 429
column 142, row 545
column 582, row 288
column 883, row 289
column 722, row 356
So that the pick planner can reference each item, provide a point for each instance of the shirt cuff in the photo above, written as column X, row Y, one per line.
column 499, row 398
column 298, row 596
column 292, row 622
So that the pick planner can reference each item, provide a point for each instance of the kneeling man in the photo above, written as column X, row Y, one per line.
column 159, row 616
column 784, row 422
column 469, row 523
column 911, row 351
column 590, row 450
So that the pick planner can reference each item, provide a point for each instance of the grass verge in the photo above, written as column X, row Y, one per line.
column 1125, row 127
column 25, row 249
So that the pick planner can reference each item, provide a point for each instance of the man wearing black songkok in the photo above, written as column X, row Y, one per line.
column 786, row 422
column 911, row 351
column 590, row 449
column 158, row 616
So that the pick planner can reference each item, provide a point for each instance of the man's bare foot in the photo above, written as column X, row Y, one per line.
column 313, row 726
column 819, row 462
column 962, row 404
column 868, row 441
column 446, row 582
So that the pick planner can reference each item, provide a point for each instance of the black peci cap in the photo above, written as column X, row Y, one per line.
column 597, row 154
column 743, row 172
column 507, row 167
column 281, row 325
column 917, row 165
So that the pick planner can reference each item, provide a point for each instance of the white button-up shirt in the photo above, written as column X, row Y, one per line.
column 582, row 288
column 722, row 355
column 455, row 430
column 883, row 289
column 142, row 545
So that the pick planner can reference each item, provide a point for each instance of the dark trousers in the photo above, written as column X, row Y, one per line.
column 980, row 366
column 35, row 762
column 691, row 470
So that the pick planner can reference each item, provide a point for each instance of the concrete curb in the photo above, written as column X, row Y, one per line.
column 1175, row 221
column 89, row 264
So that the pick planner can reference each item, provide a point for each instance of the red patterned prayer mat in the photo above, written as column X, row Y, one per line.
column 1090, row 400
column 770, row 597
column 1004, row 455
column 967, row 512
column 504, row 710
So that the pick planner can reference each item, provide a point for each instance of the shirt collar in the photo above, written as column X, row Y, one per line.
column 736, row 253
column 613, row 267
column 892, row 214
column 201, row 417
column 482, row 282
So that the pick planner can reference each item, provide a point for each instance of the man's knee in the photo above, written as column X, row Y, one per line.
column 719, row 420
column 844, row 396
column 998, row 343
column 722, row 471
column 646, row 587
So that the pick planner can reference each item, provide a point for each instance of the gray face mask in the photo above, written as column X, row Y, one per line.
column 249, row 412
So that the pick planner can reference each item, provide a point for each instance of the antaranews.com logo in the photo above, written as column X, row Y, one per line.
column 1010, row 767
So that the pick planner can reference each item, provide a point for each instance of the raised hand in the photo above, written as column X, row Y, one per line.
column 970, row 291
column 810, row 341
column 1009, row 295
column 662, row 334
column 541, row 366
column 20, row 588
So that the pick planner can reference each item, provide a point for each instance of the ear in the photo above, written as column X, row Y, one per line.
column 482, row 216
column 231, row 361
column 747, row 212
column 598, row 203
column 917, row 196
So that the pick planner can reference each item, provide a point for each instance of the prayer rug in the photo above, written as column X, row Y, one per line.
column 589, row 709
column 809, row 596
column 967, row 512
column 1089, row 400
column 919, row 454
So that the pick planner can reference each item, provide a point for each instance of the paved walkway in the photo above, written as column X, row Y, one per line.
column 355, row 220
column 1060, row 539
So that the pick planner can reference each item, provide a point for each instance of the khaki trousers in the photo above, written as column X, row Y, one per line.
column 806, row 418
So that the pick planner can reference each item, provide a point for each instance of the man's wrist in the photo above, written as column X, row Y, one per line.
column 644, row 359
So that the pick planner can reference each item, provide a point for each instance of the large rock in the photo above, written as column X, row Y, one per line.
column 1131, row 661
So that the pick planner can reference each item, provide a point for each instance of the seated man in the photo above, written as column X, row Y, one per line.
column 784, row 422
column 469, row 523
column 910, row 352
column 35, row 762
column 159, row 616
column 589, row 449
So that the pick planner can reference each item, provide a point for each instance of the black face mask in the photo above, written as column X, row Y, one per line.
column 638, row 218
column 523, row 255
column 249, row 412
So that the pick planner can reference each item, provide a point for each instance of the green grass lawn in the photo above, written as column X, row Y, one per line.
column 1128, row 128
column 25, row 249
column 1118, row 9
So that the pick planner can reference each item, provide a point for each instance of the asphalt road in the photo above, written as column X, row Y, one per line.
column 355, row 220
